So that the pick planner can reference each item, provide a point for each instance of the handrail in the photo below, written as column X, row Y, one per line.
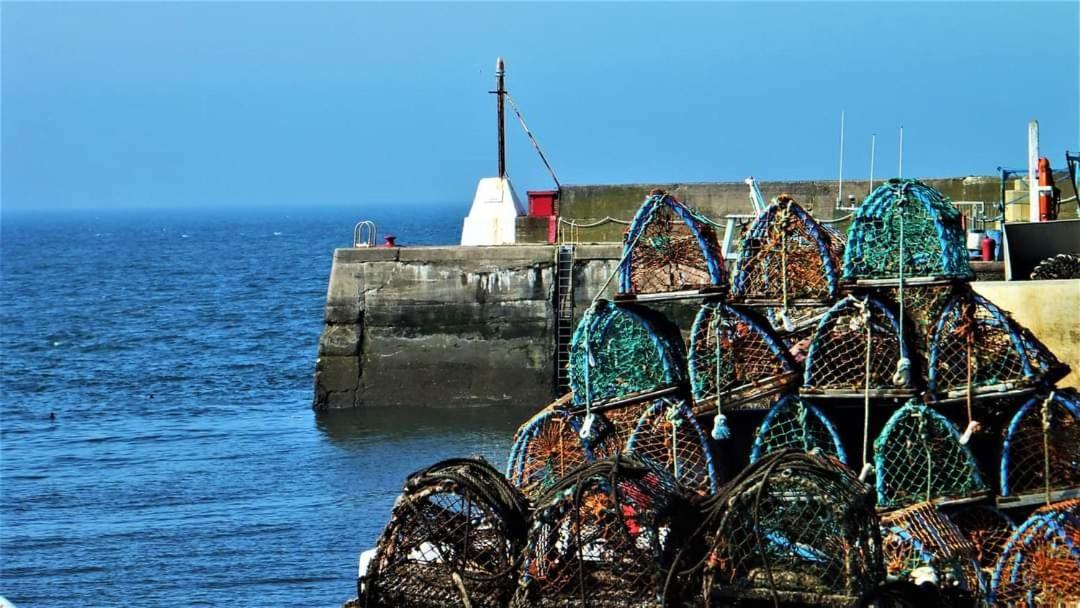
column 364, row 234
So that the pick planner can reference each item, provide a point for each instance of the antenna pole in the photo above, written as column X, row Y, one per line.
column 840, row 181
column 900, row 170
column 500, row 92
column 873, row 142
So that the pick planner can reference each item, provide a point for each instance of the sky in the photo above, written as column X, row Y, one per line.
column 189, row 105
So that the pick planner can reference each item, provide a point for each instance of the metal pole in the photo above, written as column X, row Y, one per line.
column 840, row 181
column 900, row 169
column 1033, row 171
column 500, row 92
column 873, row 142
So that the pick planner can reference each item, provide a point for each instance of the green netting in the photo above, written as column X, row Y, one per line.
column 796, row 423
column 619, row 350
column 919, row 457
column 910, row 217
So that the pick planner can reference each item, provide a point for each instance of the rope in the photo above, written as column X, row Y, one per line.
column 902, row 377
column 1046, row 444
column 865, row 311
column 536, row 145
column 836, row 220
column 783, row 256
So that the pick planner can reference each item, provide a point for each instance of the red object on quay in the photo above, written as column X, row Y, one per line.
column 987, row 245
column 542, row 202
column 1047, row 212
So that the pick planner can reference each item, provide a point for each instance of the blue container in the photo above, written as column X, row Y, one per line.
column 998, row 251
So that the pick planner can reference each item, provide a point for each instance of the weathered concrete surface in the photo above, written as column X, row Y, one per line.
column 1050, row 309
column 445, row 326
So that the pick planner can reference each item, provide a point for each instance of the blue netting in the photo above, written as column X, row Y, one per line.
column 1041, row 450
column 619, row 350
column 933, row 237
column 919, row 457
column 669, row 247
column 787, row 258
column 796, row 423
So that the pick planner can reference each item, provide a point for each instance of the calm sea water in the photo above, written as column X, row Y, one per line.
column 184, row 464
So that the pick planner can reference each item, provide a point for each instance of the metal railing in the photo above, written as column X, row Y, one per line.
column 364, row 234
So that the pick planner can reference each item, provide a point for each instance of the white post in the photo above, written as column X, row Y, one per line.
column 840, row 181
column 1033, row 171
column 900, row 169
column 873, row 141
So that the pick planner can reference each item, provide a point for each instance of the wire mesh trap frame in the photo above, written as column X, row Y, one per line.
column 923, row 305
column 988, row 529
column 621, row 349
column 454, row 539
column 794, row 423
column 549, row 446
column 670, row 248
column 736, row 361
column 788, row 259
column 857, row 350
column 978, row 349
column 792, row 527
column 1041, row 449
column 668, row 434
column 906, row 229
column 604, row 537
column 922, row 544
column 919, row 457
column 1040, row 565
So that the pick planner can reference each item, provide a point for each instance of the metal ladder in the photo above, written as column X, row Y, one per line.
column 564, row 314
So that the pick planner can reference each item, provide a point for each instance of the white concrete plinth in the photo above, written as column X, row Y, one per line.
column 492, row 218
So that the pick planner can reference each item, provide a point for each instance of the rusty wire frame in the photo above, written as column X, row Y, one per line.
column 1040, row 564
column 604, row 537
column 989, row 529
column 977, row 349
column 454, row 539
column 920, row 543
column 670, row 248
column 858, row 334
column 736, row 361
column 788, row 259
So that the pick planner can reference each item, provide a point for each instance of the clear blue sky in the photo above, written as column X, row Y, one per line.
column 195, row 105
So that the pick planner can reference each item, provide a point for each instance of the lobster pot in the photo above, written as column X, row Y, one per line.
column 453, row 540
column 620, row 350
column 919, row 457
column 988, row 529
column 550, row 445
column 921, row 544
column 973, row 339
column 857, row 333
column 923, row 305
column 736, row 361
column 794, row 423
column 795, row 524
column 1041, row 450
column 603, row 537
column 795, row 327
column 670, row 248
column 1040, row 565
column 668, row 434
column 788, row 259
column 906, row 229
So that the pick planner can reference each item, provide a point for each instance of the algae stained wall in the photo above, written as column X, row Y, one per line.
column 446, row 326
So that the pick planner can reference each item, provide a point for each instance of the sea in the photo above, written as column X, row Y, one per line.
column 157, row 442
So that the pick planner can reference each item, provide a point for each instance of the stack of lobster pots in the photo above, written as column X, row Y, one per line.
column 844, row 421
